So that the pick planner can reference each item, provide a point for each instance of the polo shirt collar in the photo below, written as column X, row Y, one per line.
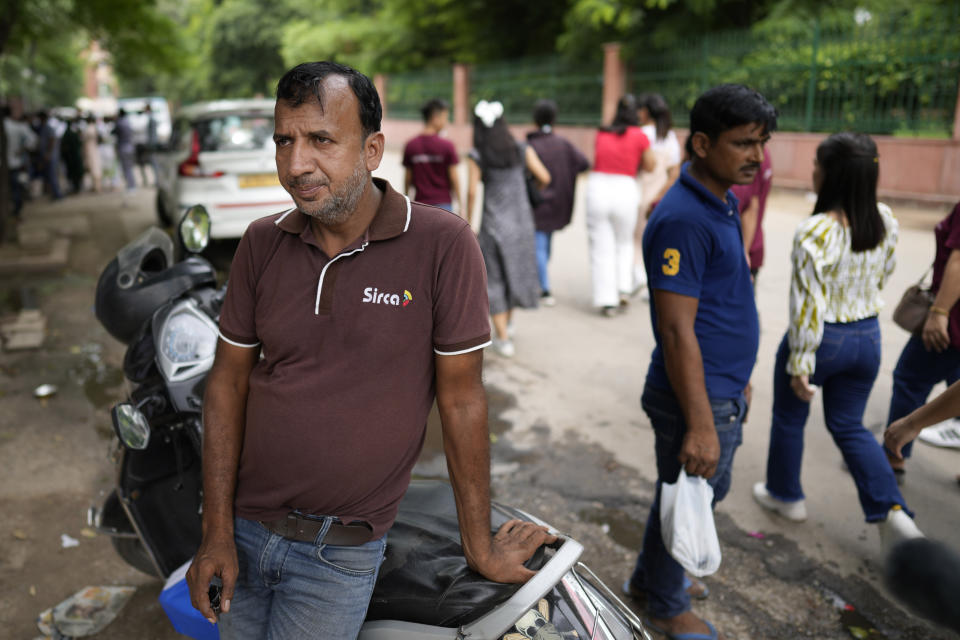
column 391, row 220
column 714, row 203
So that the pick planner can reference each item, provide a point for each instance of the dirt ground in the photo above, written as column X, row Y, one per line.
column 570, row 446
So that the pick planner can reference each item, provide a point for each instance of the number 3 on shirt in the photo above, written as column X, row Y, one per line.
column 672, row 265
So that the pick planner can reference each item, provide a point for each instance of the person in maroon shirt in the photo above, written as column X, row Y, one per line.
column 753, row 204
column 343, row 319
column 932, row 355
column 431, row 160
column 564, row 162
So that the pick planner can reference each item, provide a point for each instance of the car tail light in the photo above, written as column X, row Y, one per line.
column 191, row 166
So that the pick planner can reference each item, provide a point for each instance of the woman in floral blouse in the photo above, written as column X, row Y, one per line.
column 842, row 256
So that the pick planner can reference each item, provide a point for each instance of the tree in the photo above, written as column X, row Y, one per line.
column 142, row 40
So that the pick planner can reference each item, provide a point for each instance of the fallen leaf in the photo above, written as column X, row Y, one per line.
column 19, row 534
column 32, row 590
column 87, row 532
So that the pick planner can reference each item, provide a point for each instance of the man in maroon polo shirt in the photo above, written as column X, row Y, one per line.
column 431, row 160
column 344, row 317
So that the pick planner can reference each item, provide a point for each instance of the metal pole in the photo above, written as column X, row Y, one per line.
column 812, row 83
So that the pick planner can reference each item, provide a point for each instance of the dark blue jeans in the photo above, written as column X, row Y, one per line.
column 847, row 364
column 656, row 571
column 917, row 372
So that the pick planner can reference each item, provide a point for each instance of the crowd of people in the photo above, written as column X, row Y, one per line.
column 688, row 236
column 54, row 156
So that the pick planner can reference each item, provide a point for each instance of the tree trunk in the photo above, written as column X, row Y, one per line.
column 7, row 20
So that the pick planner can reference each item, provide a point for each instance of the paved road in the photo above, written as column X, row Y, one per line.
column 571, row 444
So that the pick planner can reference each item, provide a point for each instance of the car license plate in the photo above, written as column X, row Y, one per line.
column 258, row 180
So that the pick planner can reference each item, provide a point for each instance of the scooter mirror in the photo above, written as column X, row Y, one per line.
column 195, row 229
column 131, row 426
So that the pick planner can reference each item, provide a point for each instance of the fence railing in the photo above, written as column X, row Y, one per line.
column 893, row 74
column 576, row 88
column 890, row 74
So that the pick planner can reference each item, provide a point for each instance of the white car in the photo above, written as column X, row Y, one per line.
column 221, row 156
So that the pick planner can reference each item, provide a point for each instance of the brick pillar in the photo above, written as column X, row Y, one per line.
column 614, row 79
column 461, row 94
column 380, row 82
column 956, row 117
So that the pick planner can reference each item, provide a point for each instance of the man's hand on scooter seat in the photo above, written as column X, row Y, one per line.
column 514, row 543
column 215, row 557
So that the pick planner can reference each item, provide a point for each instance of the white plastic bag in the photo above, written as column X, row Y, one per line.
column 686, row 523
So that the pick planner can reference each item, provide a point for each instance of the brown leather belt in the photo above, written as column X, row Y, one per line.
column 297, row 527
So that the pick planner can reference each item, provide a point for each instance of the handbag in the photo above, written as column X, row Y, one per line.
column 911, row 311
column 534, row 195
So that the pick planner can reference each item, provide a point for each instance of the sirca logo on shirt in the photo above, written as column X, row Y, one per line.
column 372, row 295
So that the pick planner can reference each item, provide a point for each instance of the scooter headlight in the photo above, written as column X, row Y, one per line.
column 188, row 342
column 131, row 426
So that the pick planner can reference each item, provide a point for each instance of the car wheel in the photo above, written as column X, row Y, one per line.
column 135, row 554
column 163, row 216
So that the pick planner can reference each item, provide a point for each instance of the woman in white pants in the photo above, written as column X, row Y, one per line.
column 620, row 151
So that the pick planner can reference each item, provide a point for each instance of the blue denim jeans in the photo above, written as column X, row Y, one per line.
column 544, row 241
column 917, row 372
column 289, row 589
column 847, row 364
column 656, row 572
column 445, row 205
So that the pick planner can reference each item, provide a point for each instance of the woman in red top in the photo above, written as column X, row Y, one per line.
column 620, row 151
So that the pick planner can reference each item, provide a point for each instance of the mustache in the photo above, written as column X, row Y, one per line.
column 300, row 182
column 752, row 165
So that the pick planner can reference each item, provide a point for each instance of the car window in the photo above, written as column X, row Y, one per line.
column 236, row 133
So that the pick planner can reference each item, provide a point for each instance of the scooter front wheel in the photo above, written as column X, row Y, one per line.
column 135, row 554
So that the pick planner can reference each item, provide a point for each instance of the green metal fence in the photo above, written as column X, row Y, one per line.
column 406, row 92
column 891, row 74
column 518, row 84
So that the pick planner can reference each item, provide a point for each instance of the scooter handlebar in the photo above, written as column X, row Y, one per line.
column 496, row 622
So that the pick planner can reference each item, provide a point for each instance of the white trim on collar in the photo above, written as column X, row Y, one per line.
column 280, row 219
column 407, row 225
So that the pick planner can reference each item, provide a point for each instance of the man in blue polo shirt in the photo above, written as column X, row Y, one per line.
column 705, row 323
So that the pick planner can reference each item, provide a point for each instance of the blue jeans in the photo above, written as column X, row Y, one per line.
column 656, row 571
column 848, row 360
column 543, row 239
column 917, row 372
column 289, row 589
column 445, row 205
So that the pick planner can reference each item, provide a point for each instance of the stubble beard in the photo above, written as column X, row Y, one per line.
column 340, row 204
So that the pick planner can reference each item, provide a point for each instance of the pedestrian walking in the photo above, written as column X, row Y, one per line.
column 126, row 151
column 49, row 148
column 656, row 122
column 555, row 209
column 431, row 160
column 932, row 355
column 704, row 320
column 91, row 153
column 21, row 141
column 613, row 197
column 506, row 229
column 147, row 151
column 842, row 257
column 753, row 206
column 108, row 152
column 315, row 408
column 71, row 152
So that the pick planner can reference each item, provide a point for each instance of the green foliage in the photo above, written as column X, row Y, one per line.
column 45, row 38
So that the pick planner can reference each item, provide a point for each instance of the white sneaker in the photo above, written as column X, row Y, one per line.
column 944, row 434
column 504, row 348
column 547, row 300
column 796, row 511
column 896, row 528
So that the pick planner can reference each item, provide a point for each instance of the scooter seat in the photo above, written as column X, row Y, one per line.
column 424, row 577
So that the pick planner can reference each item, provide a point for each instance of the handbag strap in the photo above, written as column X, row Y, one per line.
column 924, row 276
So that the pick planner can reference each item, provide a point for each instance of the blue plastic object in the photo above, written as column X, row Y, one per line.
column 175, row 600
